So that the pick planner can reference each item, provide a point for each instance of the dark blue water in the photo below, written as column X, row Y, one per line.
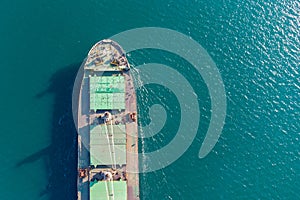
column 255, row 45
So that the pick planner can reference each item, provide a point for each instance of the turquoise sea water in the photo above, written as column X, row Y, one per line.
column 255, row 45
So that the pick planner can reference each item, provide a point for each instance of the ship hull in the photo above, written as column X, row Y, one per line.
column 104, row 103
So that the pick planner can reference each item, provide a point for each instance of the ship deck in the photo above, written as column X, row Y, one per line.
column 86, row 118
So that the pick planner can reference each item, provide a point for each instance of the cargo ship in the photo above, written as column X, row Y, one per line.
column 107, row 126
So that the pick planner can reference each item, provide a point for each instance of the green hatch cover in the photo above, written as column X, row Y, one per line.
column 107, row 92
column 100, row 148
column 116, row 190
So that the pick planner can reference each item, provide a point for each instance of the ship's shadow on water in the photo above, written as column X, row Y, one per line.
column 61, row 155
